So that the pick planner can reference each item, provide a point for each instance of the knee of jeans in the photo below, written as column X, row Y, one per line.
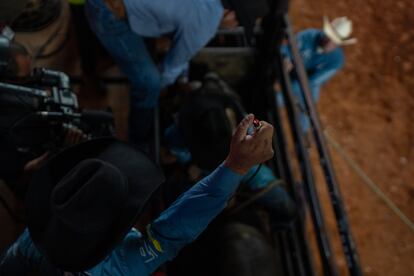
column 146, row 90
column 279, row 99
column 305, row 122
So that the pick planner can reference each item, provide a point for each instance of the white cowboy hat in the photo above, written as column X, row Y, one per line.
column 339, row 30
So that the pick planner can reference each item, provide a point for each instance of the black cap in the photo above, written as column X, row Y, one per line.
column 206, row 128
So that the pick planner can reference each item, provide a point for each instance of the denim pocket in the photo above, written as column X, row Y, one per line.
column 103, row 21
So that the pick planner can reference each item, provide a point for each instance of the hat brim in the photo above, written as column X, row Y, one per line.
column 144, row 178
column 332, row 35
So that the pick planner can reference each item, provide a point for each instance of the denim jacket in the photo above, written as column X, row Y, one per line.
column 320, row 66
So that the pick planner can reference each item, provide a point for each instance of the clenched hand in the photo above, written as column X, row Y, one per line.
column 248, row 150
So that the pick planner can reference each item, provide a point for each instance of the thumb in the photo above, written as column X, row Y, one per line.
column 36, row 163
column 242, row 128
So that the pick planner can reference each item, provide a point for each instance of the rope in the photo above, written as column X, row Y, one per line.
column 253, row 175
column 370, row 183
column 256, row 196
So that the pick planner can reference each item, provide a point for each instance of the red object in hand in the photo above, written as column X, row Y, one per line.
column 257, row 124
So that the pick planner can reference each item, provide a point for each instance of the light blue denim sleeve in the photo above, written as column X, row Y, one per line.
column 285, row 51
column 20, row 257
column 191, row 35
column 176, row 145
column 320, row 67
column 307, row 38
column 185, row 219
column 137, row 255
column 324, row 71
column 262, row 178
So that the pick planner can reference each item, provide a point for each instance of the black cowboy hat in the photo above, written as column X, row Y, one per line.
column 205, row 126
column 83, row 202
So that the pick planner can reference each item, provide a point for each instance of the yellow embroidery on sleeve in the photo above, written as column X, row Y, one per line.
column 156, row 243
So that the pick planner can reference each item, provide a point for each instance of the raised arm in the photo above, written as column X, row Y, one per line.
column 190, row 214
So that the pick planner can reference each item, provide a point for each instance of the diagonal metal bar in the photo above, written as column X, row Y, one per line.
column 325, row 250
column 348, row 244
column 264, row 98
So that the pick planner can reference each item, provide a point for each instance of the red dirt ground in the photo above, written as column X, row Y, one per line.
column 369, row 109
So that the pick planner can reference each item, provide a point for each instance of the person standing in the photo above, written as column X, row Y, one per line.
column 122, row 26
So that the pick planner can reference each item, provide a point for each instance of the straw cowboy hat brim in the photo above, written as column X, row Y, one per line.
column 330, row 31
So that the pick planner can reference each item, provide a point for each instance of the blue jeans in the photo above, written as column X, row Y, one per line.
column 297, row 93
column 129, row 51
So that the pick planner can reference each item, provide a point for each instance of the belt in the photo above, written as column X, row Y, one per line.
column 117, row 7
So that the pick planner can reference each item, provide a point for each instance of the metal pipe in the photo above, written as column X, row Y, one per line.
column 348, row 244
column 264, row 98
column 325, row 250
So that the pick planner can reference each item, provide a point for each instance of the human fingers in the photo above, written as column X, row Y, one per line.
column 242, row 128
column 36, row 163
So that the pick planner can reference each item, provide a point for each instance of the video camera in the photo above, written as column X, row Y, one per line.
column 36, row 114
